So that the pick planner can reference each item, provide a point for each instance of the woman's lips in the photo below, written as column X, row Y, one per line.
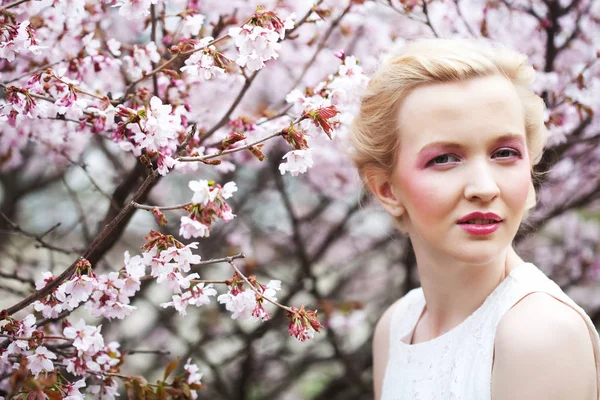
column 480, row 229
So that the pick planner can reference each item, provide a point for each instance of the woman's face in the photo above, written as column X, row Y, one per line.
column 462, row 149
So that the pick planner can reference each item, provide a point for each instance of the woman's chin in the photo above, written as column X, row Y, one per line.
column 478, row 253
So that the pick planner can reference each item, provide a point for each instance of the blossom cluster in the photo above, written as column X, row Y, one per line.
column 19, row 39
column 105, row 295
column 205, row 61
column 83, row 353
column 328, row 107
column 258, row 41
column 153, row 129
column 208, row 203
column 249, row 303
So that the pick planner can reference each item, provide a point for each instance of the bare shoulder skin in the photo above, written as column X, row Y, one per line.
column 381, row 340
column 543, row 350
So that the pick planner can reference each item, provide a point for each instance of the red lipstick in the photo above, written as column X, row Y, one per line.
column 479, row 223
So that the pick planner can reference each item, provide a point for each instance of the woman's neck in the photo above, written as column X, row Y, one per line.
column 453, row 290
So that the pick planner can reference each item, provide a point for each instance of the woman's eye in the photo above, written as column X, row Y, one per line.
column 443, row 159
column 507, row 153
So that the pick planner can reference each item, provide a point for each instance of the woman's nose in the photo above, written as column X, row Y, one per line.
column 481, row 183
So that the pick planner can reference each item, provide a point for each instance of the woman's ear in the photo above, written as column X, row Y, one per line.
column 379, row 184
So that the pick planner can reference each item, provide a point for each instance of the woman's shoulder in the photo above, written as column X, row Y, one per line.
column 541, row 343
column 385, row 321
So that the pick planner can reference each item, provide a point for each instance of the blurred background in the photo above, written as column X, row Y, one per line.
column 331, row 245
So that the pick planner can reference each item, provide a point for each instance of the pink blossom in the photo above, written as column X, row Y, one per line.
column 114, row 46
column 20, row 40
column 271, row 290
column 135, row 9
column 192, row 371
column 193, row 228
column 202, row 62
column 72, row 390
column 107, row 391
column 158, row 127
column 80, row 287
column 182, row 256
column 86, row 338
column 41, row 361
column 256, row 45
column 26, row 326
column 198, row 295
column 165, row 163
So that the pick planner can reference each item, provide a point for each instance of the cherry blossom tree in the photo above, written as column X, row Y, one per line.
column 178, row 217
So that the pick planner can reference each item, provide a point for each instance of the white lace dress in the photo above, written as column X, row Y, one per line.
column 458, row 364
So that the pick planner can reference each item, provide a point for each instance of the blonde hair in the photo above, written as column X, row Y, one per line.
column 374, row 136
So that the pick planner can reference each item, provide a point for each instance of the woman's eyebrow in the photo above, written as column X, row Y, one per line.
column 507, row 137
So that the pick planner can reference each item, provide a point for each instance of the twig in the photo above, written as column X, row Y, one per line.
column 106, row 232
column 153, row 38
column 426, row 12
column 29, row 73
column 222, row 281
column 166, row 64
column 207, row 262
column 256, row 291
column 80, row 211
column 160, row 352
column 321, row 45
column 13, row 4
column 224, row 152
column 84, row 168
column 232, row 108
column 302, row 20
column 13, row 337
column 37, row 238
column 464, row 20
column 15, row 277
column 151, row 208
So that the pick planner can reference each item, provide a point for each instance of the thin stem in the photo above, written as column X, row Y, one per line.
column 150, row 208
column 32, row 338
column 223, row 281
column 233, row 106
column 106, row 232
column 321, row 45
column 161, row 352
column 426, row 12
column 13, row 4
column 256, row 291
column 224, row 152
column 207, row 262
column 38, row 238
column 167, row 63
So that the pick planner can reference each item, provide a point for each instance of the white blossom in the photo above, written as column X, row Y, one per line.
column 192, row 24
column 298, row 162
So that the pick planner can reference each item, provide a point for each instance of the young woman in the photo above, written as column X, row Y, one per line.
column 446, row 138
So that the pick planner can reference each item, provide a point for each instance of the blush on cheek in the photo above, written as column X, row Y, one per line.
column 516, row 187
column 424, row 196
